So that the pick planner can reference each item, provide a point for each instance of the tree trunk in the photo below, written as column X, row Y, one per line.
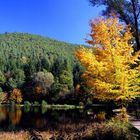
column 136, row 34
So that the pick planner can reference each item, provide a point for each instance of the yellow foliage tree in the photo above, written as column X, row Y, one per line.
column 110, row 64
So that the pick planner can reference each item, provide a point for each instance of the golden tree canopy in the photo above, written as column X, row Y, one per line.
column 110, row 71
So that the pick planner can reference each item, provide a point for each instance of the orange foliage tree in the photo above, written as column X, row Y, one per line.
column 112, row 70
column 16, row 96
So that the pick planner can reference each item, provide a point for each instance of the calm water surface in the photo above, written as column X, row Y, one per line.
column 21, row 118
column 134, row 111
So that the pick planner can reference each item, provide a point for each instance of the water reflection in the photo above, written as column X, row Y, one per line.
column 15, row 116
column 3, row 114
column 46, row 119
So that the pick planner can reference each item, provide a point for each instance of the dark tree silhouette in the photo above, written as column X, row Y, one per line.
column 127, row 10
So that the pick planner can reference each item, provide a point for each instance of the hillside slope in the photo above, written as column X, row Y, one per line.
column 34, row 68
column 15, row 46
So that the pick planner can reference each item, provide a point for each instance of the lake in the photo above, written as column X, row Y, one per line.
column 39, row 118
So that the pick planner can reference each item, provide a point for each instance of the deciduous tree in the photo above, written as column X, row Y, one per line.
column 127, row 10
column 109, row 63
column 43, row 81
column 16, row 95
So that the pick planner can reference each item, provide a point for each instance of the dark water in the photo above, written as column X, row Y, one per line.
column 21, row 118
column 134, row 111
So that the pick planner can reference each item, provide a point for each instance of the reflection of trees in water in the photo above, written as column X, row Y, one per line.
column 43, row 119
column 15, row 116
column 27, row 109
column 43, row 110
column 51, row 119
column 3, row 114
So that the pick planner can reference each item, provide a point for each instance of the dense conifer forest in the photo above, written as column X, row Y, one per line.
column 37, row 68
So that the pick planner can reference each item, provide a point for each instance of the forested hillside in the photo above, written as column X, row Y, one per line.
column 17, row 46
column 33, row 67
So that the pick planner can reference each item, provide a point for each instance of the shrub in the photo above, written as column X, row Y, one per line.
column 113, row 130
column 122, row 116
column 101, row 116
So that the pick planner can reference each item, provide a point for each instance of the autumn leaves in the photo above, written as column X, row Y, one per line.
column 109, row 71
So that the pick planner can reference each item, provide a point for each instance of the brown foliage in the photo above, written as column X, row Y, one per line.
column 16, row 95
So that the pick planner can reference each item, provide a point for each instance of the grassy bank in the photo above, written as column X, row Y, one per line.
column 84, row 131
